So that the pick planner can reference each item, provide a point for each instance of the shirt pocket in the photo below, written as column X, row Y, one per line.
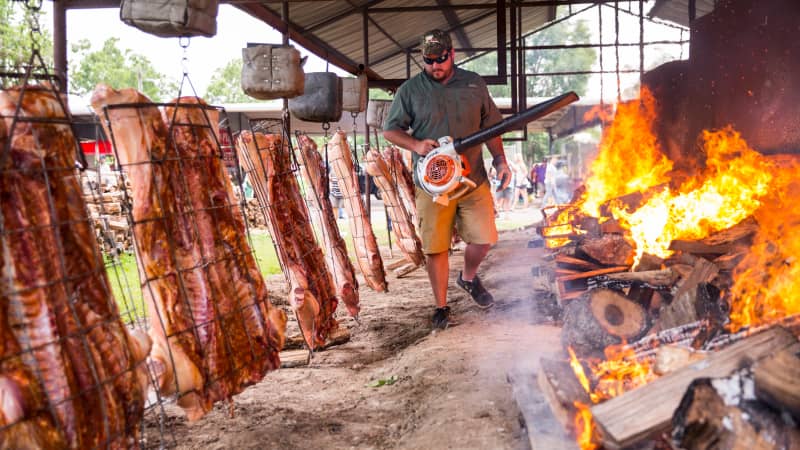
column 465, row 109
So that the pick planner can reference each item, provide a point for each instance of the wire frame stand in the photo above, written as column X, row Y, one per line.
column 74, row 368
column 208, row 313
column 318, row 190
column 270, row 163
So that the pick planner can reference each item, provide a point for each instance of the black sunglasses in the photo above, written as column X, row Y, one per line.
column 442, row 58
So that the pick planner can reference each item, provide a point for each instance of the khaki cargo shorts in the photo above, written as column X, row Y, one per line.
column 472, row 215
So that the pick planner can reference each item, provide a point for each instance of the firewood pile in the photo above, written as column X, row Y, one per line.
column 676, row 291
column 652, row 357
column 105, row 202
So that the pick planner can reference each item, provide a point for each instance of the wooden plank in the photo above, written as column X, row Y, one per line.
column 682, row 309
column 544, row 430
column 295, row 358
column 566, row 260
column 647, row 410
column 560, row 387
column 402, row 271
column 593, row 273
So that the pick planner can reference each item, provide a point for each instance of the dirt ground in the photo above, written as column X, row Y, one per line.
column 445, row 389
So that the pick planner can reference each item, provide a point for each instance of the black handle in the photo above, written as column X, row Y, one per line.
column 529, row 115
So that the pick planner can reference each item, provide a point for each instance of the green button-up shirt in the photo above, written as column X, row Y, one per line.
column 456, row 109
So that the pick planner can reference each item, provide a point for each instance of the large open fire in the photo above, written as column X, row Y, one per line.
column 735, row 182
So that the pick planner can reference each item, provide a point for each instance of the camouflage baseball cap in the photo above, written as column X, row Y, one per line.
column 436, row 42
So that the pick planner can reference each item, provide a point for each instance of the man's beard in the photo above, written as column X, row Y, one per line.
column 439, row 74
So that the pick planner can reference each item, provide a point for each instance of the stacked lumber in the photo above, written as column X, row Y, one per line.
column 105, row 202
column 669, row 316
column 608, row 301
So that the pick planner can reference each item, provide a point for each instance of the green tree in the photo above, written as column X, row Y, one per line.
column 16, row 39
column 226, row 85
column 118, row 68
column 546, row 61
column 559, row 60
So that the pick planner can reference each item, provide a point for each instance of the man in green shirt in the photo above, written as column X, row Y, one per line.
column 444, row 100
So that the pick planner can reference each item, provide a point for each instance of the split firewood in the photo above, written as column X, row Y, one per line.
column 647, row 411
column 722, row 242
column 573, row 285
column 611, row 226
column 573, row 262
column 602, row 317
column 683, row 308
column 777, row 380
column 609, row 249
column 723, row 414
column 670, row 358
column 663, row 277
column 561, row 388
column 731, row 259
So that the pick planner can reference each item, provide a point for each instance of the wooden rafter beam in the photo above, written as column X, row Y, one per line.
column 453, row 22
column 305, row 39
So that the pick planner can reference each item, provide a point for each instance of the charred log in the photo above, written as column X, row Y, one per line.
column 723, row 414
column 602, row 317
column 777, row 381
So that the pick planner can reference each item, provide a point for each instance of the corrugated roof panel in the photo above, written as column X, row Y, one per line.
column 678, row 10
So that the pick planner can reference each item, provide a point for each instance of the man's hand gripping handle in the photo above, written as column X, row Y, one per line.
column 503, row 172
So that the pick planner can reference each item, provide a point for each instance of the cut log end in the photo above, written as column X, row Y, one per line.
column 602, row 317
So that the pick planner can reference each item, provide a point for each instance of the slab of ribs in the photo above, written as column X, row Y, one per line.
column 213, row 328
column 368, row 256
column 71, row 373
column 267, row 161
column 389, row 181
column 315, row 177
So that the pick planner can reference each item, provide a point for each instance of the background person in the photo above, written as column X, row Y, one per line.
column 444, row 100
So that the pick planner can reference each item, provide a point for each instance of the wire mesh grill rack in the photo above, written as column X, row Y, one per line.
column 73, row 370
column 319, row 194
column 213, row 329
column 266, row 154
column 365, row 244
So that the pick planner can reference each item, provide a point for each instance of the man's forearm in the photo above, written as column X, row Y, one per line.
column 400, row 138
column 495, row 146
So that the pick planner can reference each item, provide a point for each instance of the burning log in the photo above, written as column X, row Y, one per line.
column 545, row 430
column 723, row 414
column 777, row 380
column 609, row 250
column 602, row 317
column 561, row 389
column 573, row 284
column 684, row 308
column 646, row 411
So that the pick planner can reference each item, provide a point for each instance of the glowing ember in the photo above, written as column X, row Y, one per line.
column 629, row 159
column 620, row 372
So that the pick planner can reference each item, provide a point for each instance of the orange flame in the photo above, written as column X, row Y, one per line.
column 629, row 159
column 767, row 280
column 584, row 426
column 620, row 372
column 728, row 190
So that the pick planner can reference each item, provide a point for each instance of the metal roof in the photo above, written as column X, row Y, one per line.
column 678, row 10
column 389, row 50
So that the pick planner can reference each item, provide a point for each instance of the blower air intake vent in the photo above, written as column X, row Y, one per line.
column 440, row 170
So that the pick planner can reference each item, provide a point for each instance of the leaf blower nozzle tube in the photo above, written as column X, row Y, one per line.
column 529, row 115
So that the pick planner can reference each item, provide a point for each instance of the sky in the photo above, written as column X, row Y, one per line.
column 235, row 29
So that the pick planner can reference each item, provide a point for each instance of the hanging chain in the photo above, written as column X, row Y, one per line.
column 355, row 137
column 33, row 8
column 183, row 41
